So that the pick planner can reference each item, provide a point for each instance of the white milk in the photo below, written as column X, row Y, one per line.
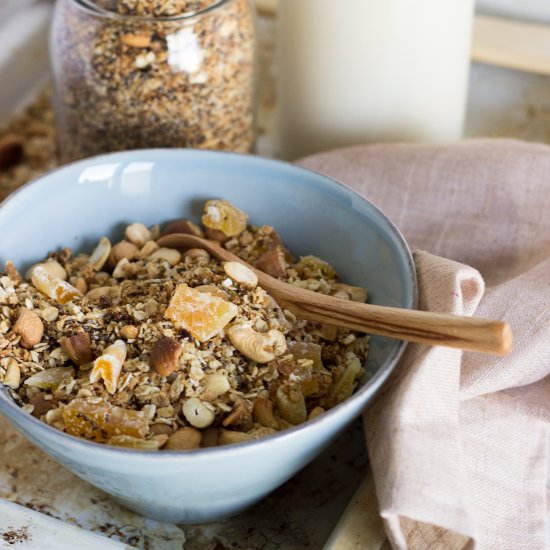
column 356, row 71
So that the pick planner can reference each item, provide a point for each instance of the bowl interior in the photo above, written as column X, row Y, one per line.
column 79, row 203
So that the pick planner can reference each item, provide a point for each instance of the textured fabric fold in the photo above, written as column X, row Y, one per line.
column 459, row 442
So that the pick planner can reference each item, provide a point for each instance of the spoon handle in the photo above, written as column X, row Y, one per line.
column 423, row 327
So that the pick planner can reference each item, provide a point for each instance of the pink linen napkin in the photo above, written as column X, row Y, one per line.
column 458, row 441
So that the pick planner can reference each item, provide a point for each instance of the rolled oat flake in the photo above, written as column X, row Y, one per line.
column 133, row 74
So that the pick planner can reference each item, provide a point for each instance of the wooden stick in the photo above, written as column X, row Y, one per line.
column 513, row 44
column 360, row 527
column 424, row 327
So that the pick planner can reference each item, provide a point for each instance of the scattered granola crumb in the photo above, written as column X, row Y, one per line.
column 15, row 536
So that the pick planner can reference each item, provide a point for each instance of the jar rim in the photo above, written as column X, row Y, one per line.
column 90, row 7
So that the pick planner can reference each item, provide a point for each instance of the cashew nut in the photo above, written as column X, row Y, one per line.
column 257, row 346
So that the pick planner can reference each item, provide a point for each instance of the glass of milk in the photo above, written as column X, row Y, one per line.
column 359, row 71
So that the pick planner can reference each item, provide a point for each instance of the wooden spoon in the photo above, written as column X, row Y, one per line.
column 423, row 327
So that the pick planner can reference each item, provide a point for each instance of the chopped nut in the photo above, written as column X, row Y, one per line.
column 12, row 378
column 101, row 254
column 165, row 355
column 111, row 292
column 183, row 226
column 12, row 273
column 147, row 249
column 138, row 234
column 241, row 274
column 172, row 256
column 50, row 313
column 81, row 285
column 196, row 253
column 215, row 385
column 185, row 438
column 78, row 348
column 260, row 347
column 29, row 327
column 240, row 416
column 197, row 413
column 119, row 272
column 273, row 262
column 347, row 292
column 129, row 332
column 136, row 40
column 122, row 250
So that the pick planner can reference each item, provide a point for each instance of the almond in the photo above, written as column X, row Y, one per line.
column 183, row 226
column 273, row 262
column 29, row 327
column 78, row 348
column 165, row 355
column 11, row 150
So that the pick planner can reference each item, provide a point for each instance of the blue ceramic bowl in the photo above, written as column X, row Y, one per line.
column 78, row 203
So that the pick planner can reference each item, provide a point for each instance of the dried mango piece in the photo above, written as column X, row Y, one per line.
column 55, row 288
column 102, row 421
column 109, row 365
column 130, row 442
column 201, row 314
column 50, row 379
column 308, row 359
column 225, row 217
column 303, row 350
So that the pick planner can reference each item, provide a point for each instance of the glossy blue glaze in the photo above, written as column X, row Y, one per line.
column 75, row 205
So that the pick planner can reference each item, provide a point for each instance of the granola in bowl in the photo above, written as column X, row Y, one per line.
column 145, row 347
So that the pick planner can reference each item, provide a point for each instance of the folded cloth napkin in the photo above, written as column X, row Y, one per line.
column 458, row 441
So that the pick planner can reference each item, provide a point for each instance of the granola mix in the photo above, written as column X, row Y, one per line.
column 134, row 80
column 145, row 347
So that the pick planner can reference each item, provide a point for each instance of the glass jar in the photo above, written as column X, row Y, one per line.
column 132, row 74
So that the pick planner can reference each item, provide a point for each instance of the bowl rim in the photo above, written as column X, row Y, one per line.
column 10, row 408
